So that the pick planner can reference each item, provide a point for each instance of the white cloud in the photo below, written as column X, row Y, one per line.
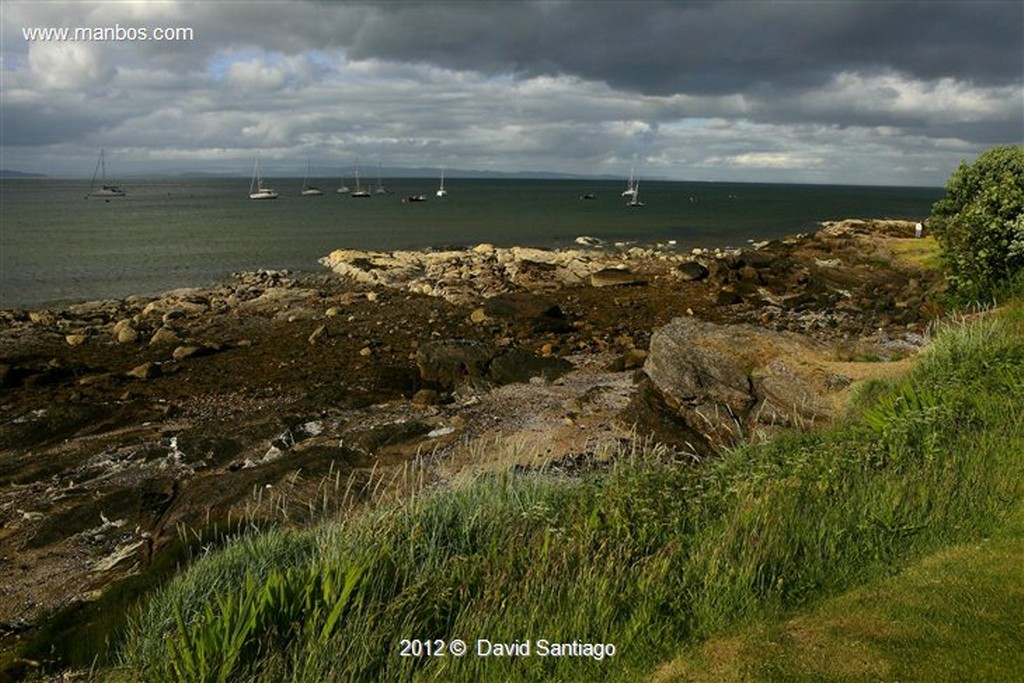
column 68, row 66
column 895, row 96
column 257, row 74
column 771, row 160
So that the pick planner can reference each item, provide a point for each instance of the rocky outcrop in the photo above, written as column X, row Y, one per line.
column 471, row 274
column 720, row 384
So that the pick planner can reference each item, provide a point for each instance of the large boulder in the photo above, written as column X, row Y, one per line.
column 727, row 383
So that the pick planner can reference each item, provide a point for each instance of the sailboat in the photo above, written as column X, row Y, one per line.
column 631, row 185
column 256, row 189
column 307, row 189
column 380, row 185
column 441, row 192
column 104, row 190
column 634, row 198
column 344, row 188
column 360, row 192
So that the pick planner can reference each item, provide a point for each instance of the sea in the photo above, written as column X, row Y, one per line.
column 58, row 247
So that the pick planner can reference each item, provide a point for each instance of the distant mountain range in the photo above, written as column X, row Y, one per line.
column 385, row 172
column 404, row 172
column 19, row 174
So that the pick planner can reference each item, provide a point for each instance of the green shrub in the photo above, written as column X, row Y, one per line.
column 980, row 223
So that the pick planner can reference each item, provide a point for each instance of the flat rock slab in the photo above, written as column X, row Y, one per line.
column 614, row 277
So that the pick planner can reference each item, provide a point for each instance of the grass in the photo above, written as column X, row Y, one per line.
column 649, row 554
column 953, row 616
column 923, row 253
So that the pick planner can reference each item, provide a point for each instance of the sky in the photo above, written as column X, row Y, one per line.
column 878, row 92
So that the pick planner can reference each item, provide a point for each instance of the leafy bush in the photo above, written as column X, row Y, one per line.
column 980, row 223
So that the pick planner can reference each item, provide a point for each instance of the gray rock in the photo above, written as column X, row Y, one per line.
column 534, row 311
column 519, row 365
column 691, row 270
column 727, row 383
column 613, row 277
column 449, row 363
column 520, row 306
column 42, row 318
column 165, row 336
column 191, row 351
column 126, row 334
column 692, row 362
column 144, row 371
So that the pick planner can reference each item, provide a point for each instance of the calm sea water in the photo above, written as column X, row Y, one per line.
column 58, row 247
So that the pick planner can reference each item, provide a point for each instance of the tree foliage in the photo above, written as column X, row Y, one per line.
column 980, row 223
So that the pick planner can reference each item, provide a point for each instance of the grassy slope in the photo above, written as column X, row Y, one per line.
column 647, row 555
column 957, row 615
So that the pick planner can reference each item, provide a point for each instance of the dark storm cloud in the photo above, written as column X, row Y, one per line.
column 704, row 48
column 30, row 125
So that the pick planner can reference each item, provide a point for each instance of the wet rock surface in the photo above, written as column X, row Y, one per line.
column 122, row 421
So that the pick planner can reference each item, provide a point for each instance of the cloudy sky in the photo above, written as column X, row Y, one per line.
column 877, row 92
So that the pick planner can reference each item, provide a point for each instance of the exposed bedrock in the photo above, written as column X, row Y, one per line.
column 706, row 386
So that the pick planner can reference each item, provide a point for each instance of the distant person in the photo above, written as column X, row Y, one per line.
column 918, row 230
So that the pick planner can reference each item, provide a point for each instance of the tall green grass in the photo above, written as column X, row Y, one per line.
column 647, row 554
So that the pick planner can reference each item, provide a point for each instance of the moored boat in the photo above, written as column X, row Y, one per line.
column 307, row 189
column 103, row 190
column 256, row 188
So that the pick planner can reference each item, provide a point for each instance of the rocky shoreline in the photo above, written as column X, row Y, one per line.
column 124, row 421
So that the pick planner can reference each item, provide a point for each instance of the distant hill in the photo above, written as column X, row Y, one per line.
column 399, row 172
column 19, row 174
column 429, row 172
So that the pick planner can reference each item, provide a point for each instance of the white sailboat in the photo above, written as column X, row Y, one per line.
column 103, row 190
column 631, row 185
column 380, row 185
column 344, row 188
column 634, row 198
column 256, row 189
column 307, row 189
column 360, row 192
column 441, row 192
